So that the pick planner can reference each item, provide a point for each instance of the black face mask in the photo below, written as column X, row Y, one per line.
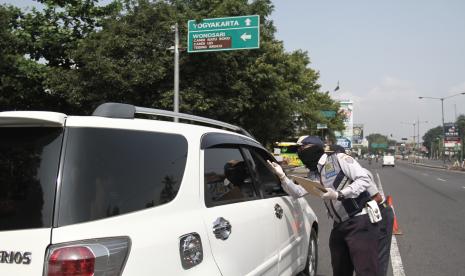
column 310, row 156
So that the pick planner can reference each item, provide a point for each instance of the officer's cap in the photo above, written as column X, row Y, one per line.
column 310, row 140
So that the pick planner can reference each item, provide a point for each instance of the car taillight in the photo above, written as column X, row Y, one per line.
column 97, row 257
column 71, row 261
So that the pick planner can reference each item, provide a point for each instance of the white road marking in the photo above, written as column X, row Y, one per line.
column 425, row 174
column 396, row 260
column 440, row 179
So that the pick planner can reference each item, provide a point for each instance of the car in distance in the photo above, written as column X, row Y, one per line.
column 112, row 194
column 388, row 160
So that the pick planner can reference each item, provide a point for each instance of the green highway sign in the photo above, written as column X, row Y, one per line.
column 380, row 146
column 223, row 34
column 328, row 113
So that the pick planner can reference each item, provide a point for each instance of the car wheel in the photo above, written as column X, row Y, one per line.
column 312, row 256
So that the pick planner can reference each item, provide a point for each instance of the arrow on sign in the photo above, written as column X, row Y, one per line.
column 247, row 22
column 246, row 36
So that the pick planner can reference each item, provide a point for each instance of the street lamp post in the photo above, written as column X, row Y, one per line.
column 443, row 127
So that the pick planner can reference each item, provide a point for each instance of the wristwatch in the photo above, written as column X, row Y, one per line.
column 340, row 196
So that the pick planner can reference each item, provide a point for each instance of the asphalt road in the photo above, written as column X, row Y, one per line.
column 429, row 205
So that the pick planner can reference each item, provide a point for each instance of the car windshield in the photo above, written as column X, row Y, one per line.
column 29, row 158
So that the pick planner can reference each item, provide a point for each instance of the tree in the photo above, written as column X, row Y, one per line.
column 33, row 43
column 269, row 92
column 431, row 139
column 20, row 77
column 92, row 54
column 376, row 138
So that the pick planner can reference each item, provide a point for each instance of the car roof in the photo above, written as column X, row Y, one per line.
column 115, row 115
column 32, row 118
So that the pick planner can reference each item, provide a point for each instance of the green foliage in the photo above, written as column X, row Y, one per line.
column 432, row 138
column 91, row 54
column 58, row 28
column 20, row 78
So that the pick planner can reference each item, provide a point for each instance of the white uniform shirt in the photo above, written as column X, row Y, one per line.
column 352, row 169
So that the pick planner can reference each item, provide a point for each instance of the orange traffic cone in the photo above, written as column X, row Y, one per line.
column 395, row 227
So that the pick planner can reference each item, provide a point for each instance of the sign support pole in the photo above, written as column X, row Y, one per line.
column 176, row 71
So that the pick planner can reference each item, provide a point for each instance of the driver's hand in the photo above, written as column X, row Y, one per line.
column 277, row 169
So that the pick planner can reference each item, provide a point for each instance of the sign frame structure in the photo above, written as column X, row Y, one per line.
column 223, row 34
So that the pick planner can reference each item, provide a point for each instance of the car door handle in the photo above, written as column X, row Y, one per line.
column 222, row 228
column 278, row 211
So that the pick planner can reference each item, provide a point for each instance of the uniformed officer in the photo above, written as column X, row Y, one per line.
column 353, row 241
column 385, row 235
column 385, row 225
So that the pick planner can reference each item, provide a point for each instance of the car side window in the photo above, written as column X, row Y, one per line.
column 267, row 182
column 227, row 177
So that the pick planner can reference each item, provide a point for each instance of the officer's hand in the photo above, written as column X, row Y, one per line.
column 277, row 169
column 330, row 194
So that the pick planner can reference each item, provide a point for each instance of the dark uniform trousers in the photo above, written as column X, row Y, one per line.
column 354, row 246
column 385, row 228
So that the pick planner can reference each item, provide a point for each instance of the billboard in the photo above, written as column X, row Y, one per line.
column 346, row 109
column 452, row 144
column 344, row 142
column 451, row 132
column 357, row 134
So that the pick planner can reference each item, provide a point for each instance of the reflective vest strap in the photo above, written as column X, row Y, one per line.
column 339, row 178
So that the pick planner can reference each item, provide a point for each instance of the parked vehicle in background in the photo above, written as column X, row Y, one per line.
column 286, row 153
column 388, row 160
column 112, row 194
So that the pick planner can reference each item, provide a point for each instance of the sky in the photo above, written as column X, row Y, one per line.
column 385, row 54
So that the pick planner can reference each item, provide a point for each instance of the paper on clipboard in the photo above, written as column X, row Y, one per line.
column 312, row 187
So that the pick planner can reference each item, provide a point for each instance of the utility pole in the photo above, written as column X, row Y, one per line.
column 418, row 133
column 443, row 135
column 413, row 137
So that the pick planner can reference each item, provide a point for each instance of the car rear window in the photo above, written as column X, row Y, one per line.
column 109, row 172
column 29, row 158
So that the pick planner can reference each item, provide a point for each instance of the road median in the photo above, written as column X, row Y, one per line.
column 443, row 167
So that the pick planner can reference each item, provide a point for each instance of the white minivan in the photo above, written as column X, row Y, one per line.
column 388, row 160
column 112, row 194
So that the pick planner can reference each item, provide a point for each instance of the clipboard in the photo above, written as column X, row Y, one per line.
column 312, row 187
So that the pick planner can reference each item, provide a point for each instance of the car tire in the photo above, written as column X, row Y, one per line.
column 312, row 256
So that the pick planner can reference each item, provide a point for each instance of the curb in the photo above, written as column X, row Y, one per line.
column 429, row 166
column 436, row 167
